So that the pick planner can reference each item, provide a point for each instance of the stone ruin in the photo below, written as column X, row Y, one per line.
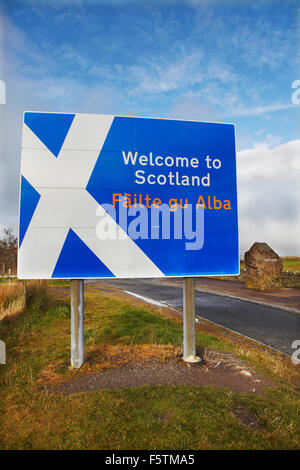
column 263, row 267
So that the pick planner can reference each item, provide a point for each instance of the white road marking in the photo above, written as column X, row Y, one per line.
column 147, row 299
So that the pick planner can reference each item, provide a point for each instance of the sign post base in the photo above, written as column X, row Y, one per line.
column 192, row 359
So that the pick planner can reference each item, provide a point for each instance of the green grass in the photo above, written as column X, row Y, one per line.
column 291, row 264
column 132, row 325
column 144, row 418
column 59, row 282
column 5, row 280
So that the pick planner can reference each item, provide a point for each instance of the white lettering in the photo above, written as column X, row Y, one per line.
column 129, row 156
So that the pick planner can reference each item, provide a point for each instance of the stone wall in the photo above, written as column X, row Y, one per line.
column 239, row 278
column 287, row 278
column 290, row 279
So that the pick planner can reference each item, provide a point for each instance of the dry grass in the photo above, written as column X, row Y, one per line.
column 15, row 296
column 12, row 299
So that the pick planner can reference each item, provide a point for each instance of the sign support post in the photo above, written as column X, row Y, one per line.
column 189, row 336
column 77, row 323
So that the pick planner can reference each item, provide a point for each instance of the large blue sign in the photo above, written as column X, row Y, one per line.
column 109, row 196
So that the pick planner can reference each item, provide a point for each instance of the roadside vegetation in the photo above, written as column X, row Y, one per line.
column 181, row 417
column 291, row 263
column 15, row 296
column 8, row 251
column 12, row 299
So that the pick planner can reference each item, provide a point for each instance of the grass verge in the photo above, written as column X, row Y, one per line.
column 178, row 417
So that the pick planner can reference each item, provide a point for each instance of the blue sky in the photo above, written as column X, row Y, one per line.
column 226, row 61
column 229, row 61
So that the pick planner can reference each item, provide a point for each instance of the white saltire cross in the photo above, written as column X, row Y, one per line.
column 65, row 204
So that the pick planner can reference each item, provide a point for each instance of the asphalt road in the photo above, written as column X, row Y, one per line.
column 272, row 326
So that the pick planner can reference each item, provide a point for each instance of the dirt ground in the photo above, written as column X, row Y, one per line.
column 118, row 369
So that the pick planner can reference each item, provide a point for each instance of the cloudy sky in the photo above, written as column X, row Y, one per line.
column 226, row 61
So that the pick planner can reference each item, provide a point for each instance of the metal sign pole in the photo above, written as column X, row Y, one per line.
column 77, row 323
column 189, row 336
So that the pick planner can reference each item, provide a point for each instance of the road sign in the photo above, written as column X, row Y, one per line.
column 109, row 196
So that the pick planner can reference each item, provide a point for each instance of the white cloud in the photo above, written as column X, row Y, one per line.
column 257, row 110
column 192, row 108
column 269, row 197
column 154, row 76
